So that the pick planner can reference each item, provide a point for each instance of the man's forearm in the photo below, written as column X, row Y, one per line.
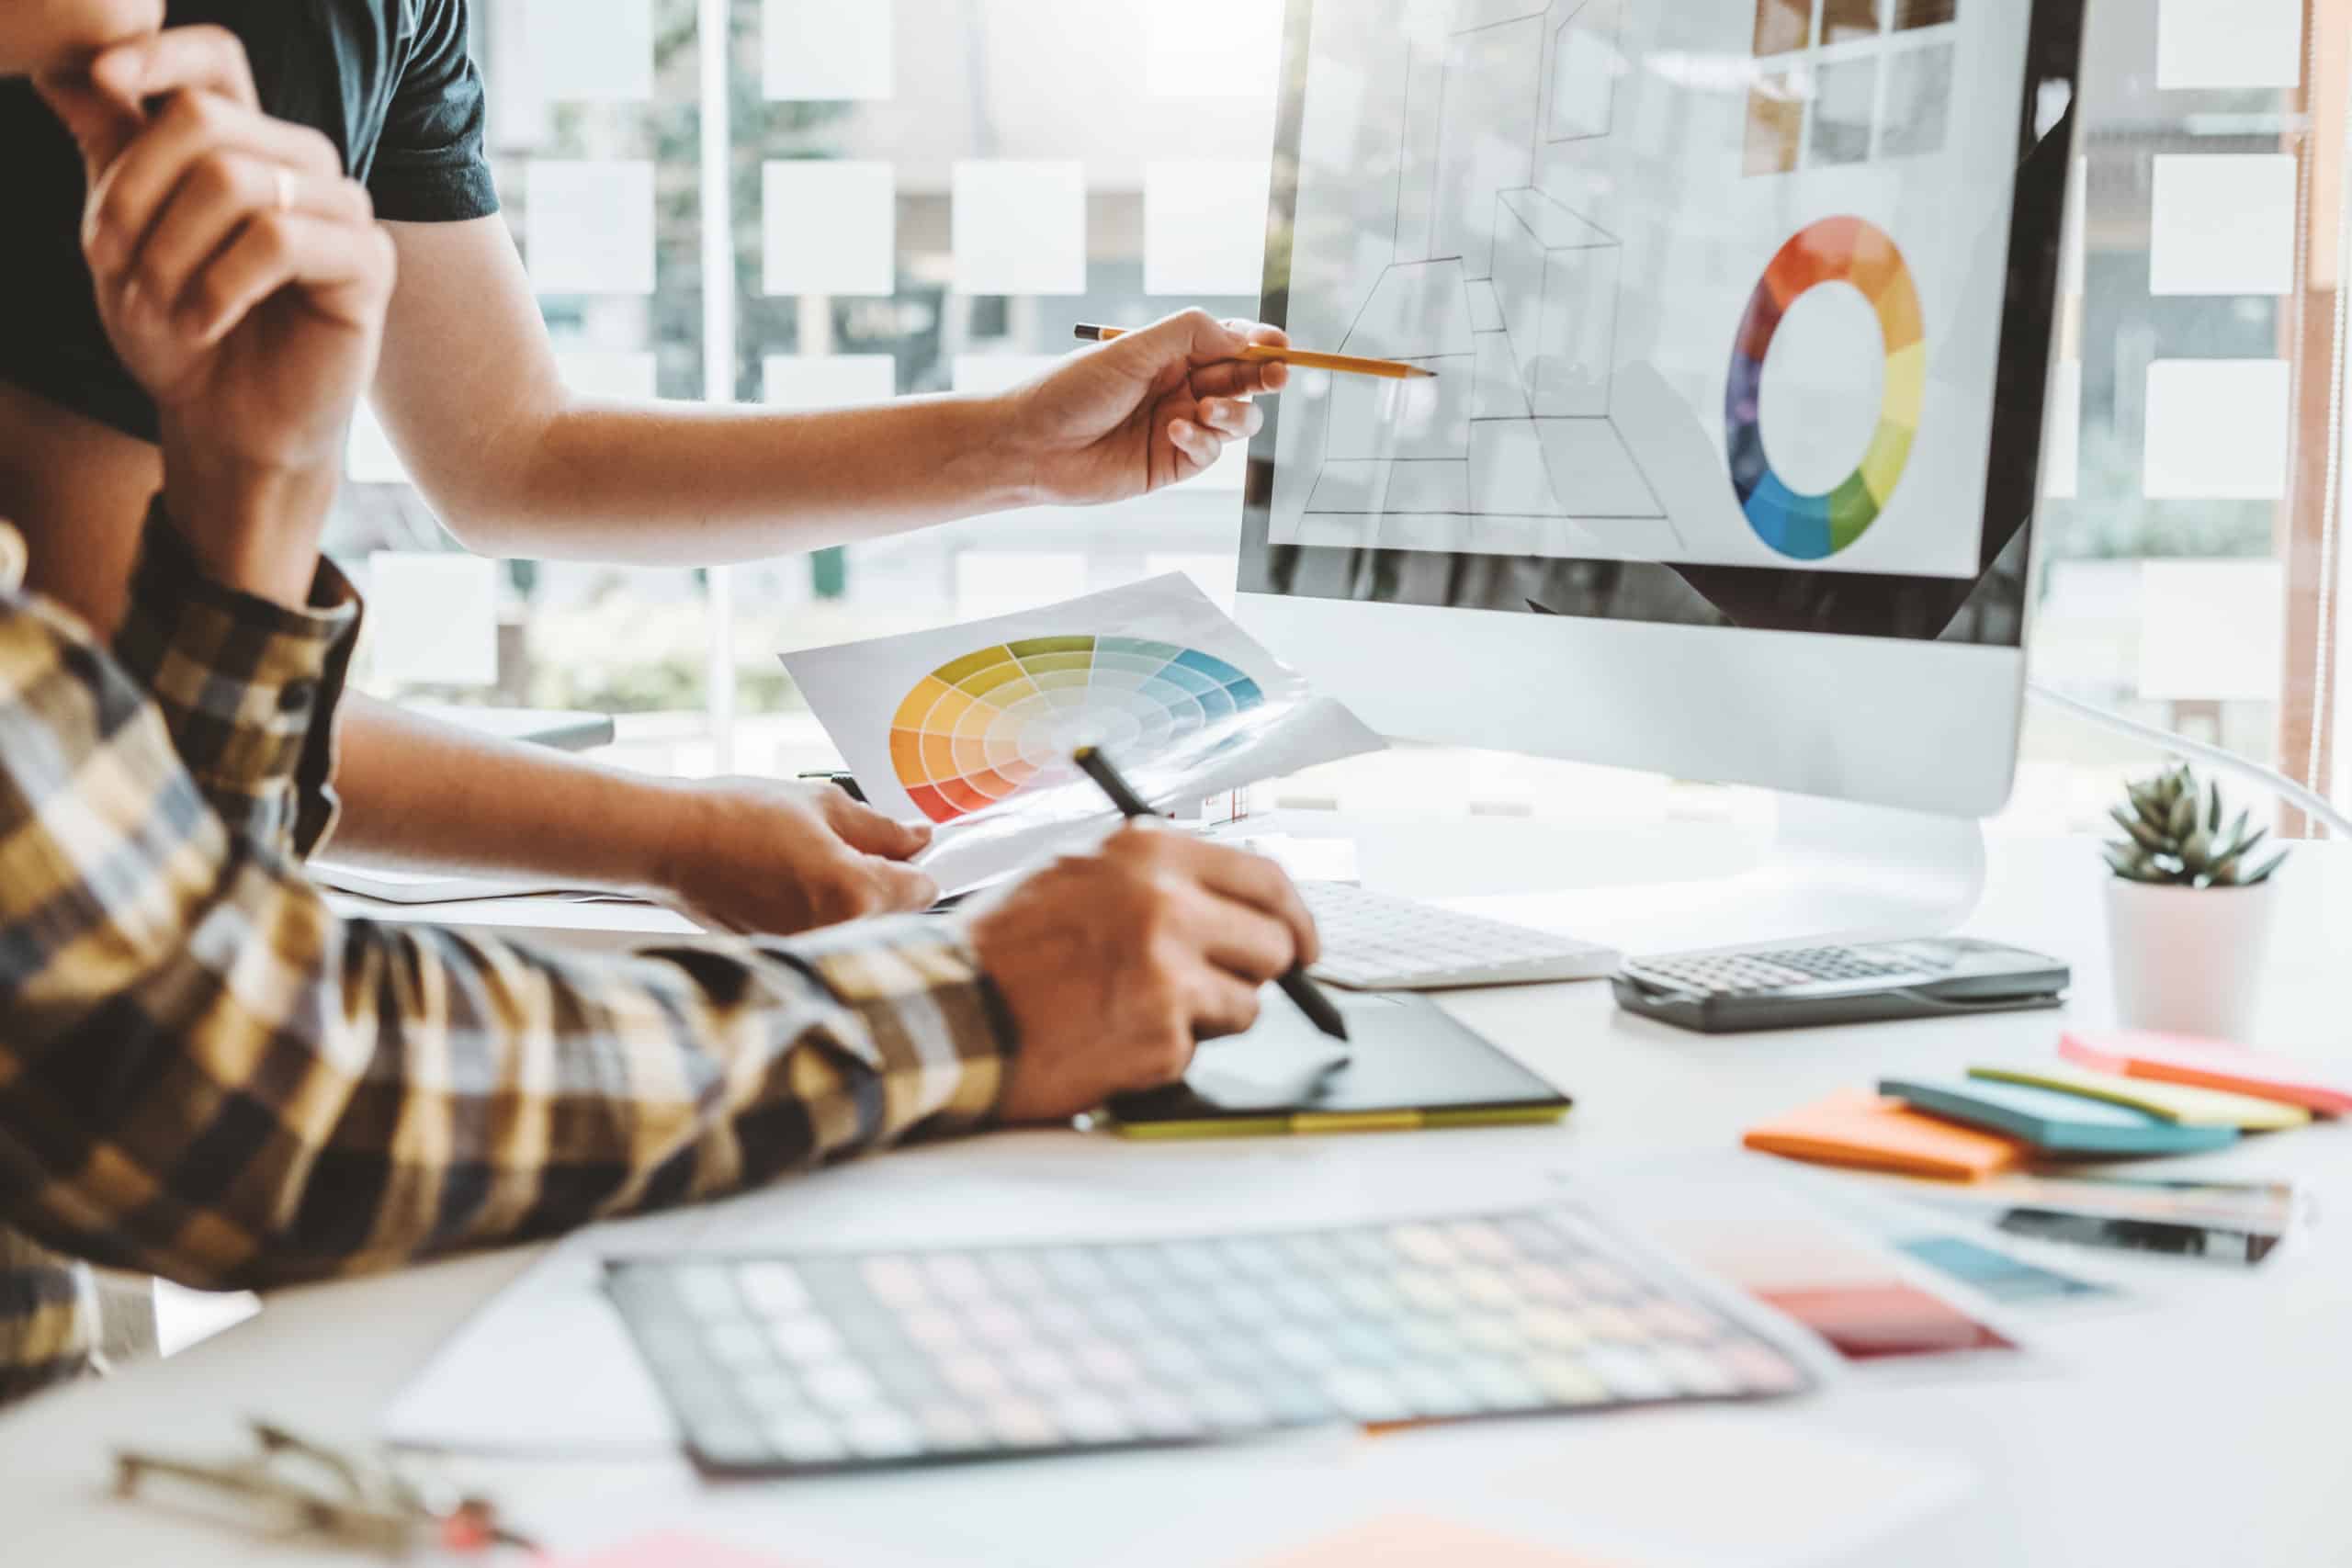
column 419, row 793
column 517, row 466
column 207, row 1075
column 670, row 482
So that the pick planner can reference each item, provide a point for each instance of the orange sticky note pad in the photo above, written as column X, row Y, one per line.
column 2205, row 1064
column 1857, row 1127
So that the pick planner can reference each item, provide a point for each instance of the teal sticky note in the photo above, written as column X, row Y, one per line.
column 2052, row 1121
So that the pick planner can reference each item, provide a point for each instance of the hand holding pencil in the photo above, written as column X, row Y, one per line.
column 1155, row 409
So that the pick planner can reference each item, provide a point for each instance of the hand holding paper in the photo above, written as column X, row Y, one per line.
column 972, row 726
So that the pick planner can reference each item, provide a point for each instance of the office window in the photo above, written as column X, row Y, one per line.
column 1051, row 162
column 2183, row 551
column 922, row 197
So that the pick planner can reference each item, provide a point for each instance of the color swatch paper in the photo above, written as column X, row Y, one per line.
column 1209, row 742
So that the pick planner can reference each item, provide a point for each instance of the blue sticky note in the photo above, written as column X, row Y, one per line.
column 2054, row 1122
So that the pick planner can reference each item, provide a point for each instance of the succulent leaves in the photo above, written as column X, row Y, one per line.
column 2174, row 837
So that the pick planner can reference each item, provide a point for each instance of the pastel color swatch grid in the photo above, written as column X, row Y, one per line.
column 834, row 1362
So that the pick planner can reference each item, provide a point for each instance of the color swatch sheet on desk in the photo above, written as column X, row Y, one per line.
column 1856, row 1285
column 971, row 728
column 816, row 1362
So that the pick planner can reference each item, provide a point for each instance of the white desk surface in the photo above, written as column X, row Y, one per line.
column 2213, row 1426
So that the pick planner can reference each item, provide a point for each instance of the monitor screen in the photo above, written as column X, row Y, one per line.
column 1740, row 310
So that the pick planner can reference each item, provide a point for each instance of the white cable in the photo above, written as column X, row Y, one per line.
column 2310, row 802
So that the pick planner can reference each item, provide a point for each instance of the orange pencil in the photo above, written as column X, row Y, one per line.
column 1305, row 359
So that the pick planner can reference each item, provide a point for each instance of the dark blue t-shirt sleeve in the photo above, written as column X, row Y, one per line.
column 431, row 166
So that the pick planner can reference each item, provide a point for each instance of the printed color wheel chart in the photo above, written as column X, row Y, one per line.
column 983, row 727
column 1836, row 250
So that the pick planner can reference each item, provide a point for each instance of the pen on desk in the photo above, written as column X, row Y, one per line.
column 1303, row 358
column 1295, row 985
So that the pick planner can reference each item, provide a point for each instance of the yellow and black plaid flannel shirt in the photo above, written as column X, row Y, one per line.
column 205, row 1074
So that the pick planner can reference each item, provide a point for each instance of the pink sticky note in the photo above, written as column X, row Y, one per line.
column 671, row 1549
column 2205, row 1064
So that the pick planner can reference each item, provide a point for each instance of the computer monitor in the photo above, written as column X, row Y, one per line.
column 1742, row 311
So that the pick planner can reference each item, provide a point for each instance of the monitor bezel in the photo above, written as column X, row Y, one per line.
column 1987, row 610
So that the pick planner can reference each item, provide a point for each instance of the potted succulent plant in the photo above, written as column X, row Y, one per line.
column 2189, row 910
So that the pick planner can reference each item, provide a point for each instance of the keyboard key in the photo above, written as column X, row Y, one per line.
column 772, row 1288
column 1366, row 1396
column 840, row 1385
column 802, row 1339
column 882, row 1435
column 708, row 1291
column 802, row 1439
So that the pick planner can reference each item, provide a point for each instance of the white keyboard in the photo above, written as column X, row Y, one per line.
column 1374, row 942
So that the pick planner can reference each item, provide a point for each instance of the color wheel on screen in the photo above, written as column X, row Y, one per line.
column 982, row 729
column 1858, row 252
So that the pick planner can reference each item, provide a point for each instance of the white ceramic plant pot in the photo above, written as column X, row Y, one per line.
column 2190, row 960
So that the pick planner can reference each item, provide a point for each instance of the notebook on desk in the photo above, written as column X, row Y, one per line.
column 1409, row 1065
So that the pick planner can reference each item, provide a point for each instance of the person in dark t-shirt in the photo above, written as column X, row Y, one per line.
column 517, row 466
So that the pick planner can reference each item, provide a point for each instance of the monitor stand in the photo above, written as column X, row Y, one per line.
column 1835, row 871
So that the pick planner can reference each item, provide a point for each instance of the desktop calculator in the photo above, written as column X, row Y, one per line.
column 1798, row 988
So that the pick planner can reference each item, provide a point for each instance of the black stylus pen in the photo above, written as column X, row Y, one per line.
column 1295, row 985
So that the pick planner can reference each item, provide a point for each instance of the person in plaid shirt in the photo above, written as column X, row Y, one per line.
column 204, row 1073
